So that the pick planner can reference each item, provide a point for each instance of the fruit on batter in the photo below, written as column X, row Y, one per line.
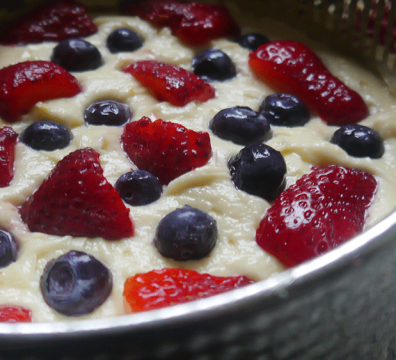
column 8, row 249
column 123, row 40
column 14, row 314
column 107, row 112
column 252, row 41
column 322, row 210
column 194, row 23
column 170, row 83
column 292, row 67
column 160, row 288
column 75, row 284
column 24, row 84
column 8, row 139
column 167, row 150
column 186, row 234
column 77, row 200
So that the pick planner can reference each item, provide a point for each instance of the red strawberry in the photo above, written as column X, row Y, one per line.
column 161, row 288
column 170, row 82
column 23, row 85
column 322, row 210
column 55, row 21
column 77, row 200
column 8, row 139
column 166, row 149
column 291, row 67
column 194, row 23
column 13, row 314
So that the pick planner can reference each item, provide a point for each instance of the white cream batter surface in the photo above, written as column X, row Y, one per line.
column 208, row 188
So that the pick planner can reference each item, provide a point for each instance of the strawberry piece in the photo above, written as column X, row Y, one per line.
column 55, row 21
column 322, row 210
column 291, row 67
column 161, row 288
column 23, row 85
column 193, row 23
column 14, row 314
column 8, row 139
column 77, row 200
column 165, row 149
column 170, row 82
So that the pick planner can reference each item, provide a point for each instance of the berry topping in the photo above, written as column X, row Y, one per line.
column 54, row 21
column 14, row 314
column 322, row 210
column 46, row 135
column 23, row 85
column 241, row 125
column 284, row 110
column 107, row 112
column 8, row 249
column 138, row 188
column 170, row 82
column 75, row 284
column 8, row 139
column 259, row 170
column 252, row 41
column 123, row 40
column 160, row 288
column 186, row 234
column 165, row 149
column 77, row 200
column 194, row 23
column 76, row 55
column 359, row 141
column 292, row 67
column 213, row 65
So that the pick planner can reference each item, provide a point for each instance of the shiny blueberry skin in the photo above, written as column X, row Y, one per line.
column 186, row 234
column 359, row 141
column 8, row 249
column 259, row 170
column 284, row 110
column 76, row 55
column 241, row 125
column 46, row 135
column 75, row 283
column 139, row 188
column 213, row 65
column 107, row 112
column 252, row 41
column 123, row 40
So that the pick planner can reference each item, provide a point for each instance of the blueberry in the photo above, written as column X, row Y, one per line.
column 8, row 249
column 75, row 283
column 241, row 125
column 186, row 234
column 284, row 110
column 359, row 141
column 76, row 55
column 46, row 135
column 259, row 170
column 212, row 65
column 252, row 41
column 123, row 40
column 138, row 187
column 107, row 112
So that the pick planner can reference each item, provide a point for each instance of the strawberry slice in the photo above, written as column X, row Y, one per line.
column 193, row 23
column 170, row 82
column 8, row 139
column 292, row 67
column 165, row 149
column 14, row 314
column 161, row 288
column 55, row 21
column 24, row 84
column 322, row 210
column 77, row 200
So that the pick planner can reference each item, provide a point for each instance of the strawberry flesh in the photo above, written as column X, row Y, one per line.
column 77, row 200
column 291, row 67
column 161, row 288
column 8, row 139
column 14, row 314
column 322, row 210
column 193, row 23
column 170, row 82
